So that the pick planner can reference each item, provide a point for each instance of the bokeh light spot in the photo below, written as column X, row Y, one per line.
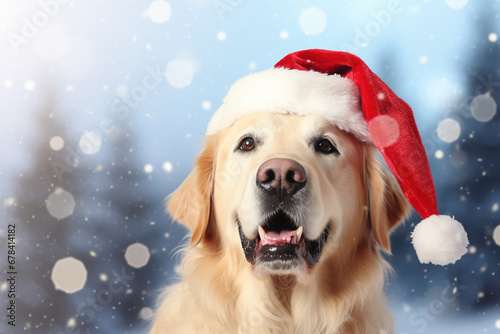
column 159, row 11
column 179, row 73
column 496, row 235
column 69, row 275
column 448, row 130
column 384, row 130
column 483, row 108
column 456, row 4
column 56, row 143
column 90, row 143
column 312, row 21
column 137, row 255
column 60, row 203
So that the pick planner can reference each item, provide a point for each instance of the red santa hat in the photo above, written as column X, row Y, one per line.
column 341, row 87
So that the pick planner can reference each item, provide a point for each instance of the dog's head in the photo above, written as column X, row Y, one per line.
column 285, row 192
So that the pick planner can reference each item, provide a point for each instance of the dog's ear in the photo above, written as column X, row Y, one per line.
column 388, row 205
column 191, row 203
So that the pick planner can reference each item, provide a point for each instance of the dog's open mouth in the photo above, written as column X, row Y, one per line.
column 281, row 244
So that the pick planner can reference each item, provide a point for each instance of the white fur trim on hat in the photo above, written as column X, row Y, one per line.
column 294, row 92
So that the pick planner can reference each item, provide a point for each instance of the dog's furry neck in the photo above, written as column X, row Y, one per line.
column 235, row 298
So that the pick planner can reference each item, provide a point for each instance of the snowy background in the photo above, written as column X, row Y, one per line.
column 104, row 105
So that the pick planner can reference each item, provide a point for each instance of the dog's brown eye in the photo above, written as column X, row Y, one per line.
column 247, row 144
column 325, row 146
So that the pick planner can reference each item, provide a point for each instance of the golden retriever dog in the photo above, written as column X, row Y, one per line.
column 288, row 205
column 287, row 214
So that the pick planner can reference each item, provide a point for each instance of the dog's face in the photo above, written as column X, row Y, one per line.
column 286, row 192
column 286, row 189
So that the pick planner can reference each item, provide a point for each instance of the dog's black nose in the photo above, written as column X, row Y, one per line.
column 281, row 177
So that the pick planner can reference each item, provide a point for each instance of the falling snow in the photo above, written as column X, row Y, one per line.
column 167, row 166
column 137, row 255
column 146, row 313
column 456, row 4
column 122, row 90
column 384, row 130
column 494, row 208
column 448, row 130
column 56, row 143
column 179, row 73
column 90, row 143
column 159, row 11
column 221, row 36
column 29, row 85
column 83, row 199
column 496, row 235
column 312, row 21
column 9, row 202
column 69, row 275
column 284, row 34
column 439, row 154
column 148, row 168
column 483, row 108
column 71, row 322
column 60, row 203
column 206, row 105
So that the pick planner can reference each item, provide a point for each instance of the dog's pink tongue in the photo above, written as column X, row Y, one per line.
column 280, row 238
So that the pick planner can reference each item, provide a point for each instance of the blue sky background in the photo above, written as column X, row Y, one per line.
column 91, row 56
column 88, row 49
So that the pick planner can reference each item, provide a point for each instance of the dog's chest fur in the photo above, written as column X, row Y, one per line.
column 233, row 301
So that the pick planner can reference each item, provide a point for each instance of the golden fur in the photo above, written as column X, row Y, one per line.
column 221, row 292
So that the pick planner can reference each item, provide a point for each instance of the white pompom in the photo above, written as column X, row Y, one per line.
column 439, row 240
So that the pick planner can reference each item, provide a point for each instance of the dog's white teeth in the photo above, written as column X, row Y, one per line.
column 299, row 233
column 262, row 233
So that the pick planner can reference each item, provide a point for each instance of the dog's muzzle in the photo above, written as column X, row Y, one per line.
column 280, row 243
